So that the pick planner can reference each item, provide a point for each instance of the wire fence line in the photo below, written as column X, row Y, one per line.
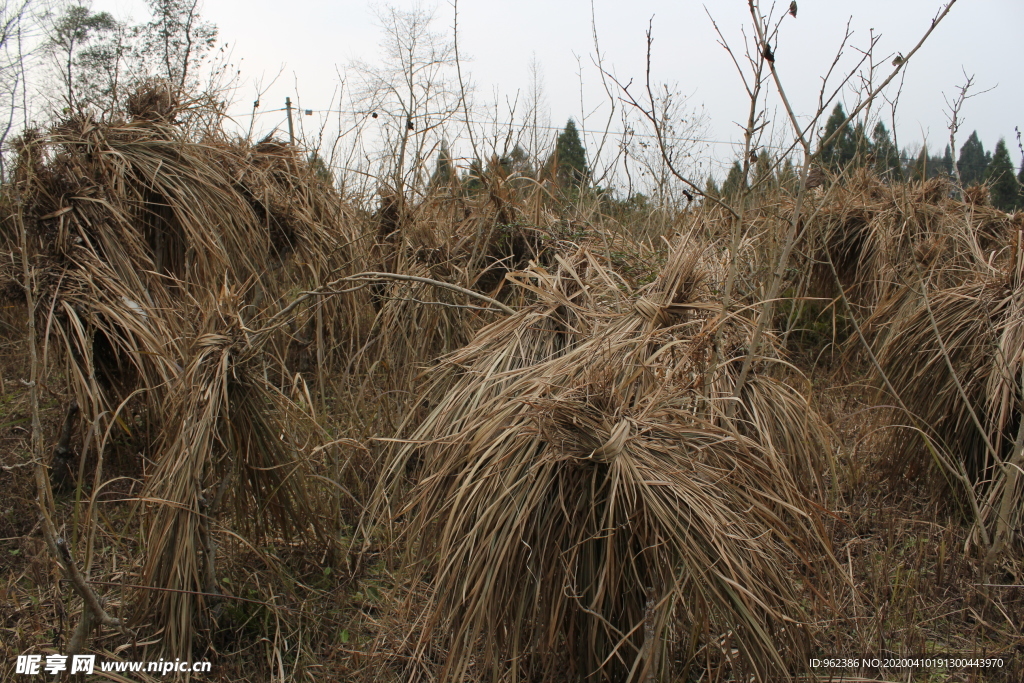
column 518, row 125
column 350, row 168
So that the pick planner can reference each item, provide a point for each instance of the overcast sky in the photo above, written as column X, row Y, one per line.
column 307, row 40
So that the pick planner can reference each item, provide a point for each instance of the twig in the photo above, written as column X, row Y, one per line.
column 60, row 466
column 792, row 236
column 871, row 95
column 330, row 286
column 87, row 594
column 652, row 116
column 462, row 83
column 955, row 121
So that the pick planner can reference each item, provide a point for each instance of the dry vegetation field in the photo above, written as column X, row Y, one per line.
column 509, row 434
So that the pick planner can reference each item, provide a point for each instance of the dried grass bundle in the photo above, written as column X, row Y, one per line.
column 163, row 263
column 471, row 241
column 227, row 443
column 877, row 235
column 154, row 100
column 582, row 500
column 954, row 356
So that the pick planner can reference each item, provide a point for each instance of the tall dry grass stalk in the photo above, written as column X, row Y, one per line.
column 467, row 240
column 951, row 345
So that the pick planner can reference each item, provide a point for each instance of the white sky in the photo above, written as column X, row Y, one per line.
column 308, row 39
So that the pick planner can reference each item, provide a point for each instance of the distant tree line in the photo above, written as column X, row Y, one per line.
column 852, row 147
column 566, row 170
column 566, row 167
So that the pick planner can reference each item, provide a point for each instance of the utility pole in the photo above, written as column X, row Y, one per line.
column 291, row 129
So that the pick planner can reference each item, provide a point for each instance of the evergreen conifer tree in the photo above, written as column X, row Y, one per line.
column 320, row 169
column 472, row 178
column 999, row 176
column 444, row 171
column 861, row 144
column 947, row 161
column 787, row 177
column 711, row 187
column 972, row 161
column 571, row 158
column 838, row 153
column 764, row 178
column 734, row 181
column 516, row 161
column 887, row 158
column 921, row 168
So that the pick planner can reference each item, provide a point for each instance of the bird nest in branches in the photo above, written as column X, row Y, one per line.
column 155, row 100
